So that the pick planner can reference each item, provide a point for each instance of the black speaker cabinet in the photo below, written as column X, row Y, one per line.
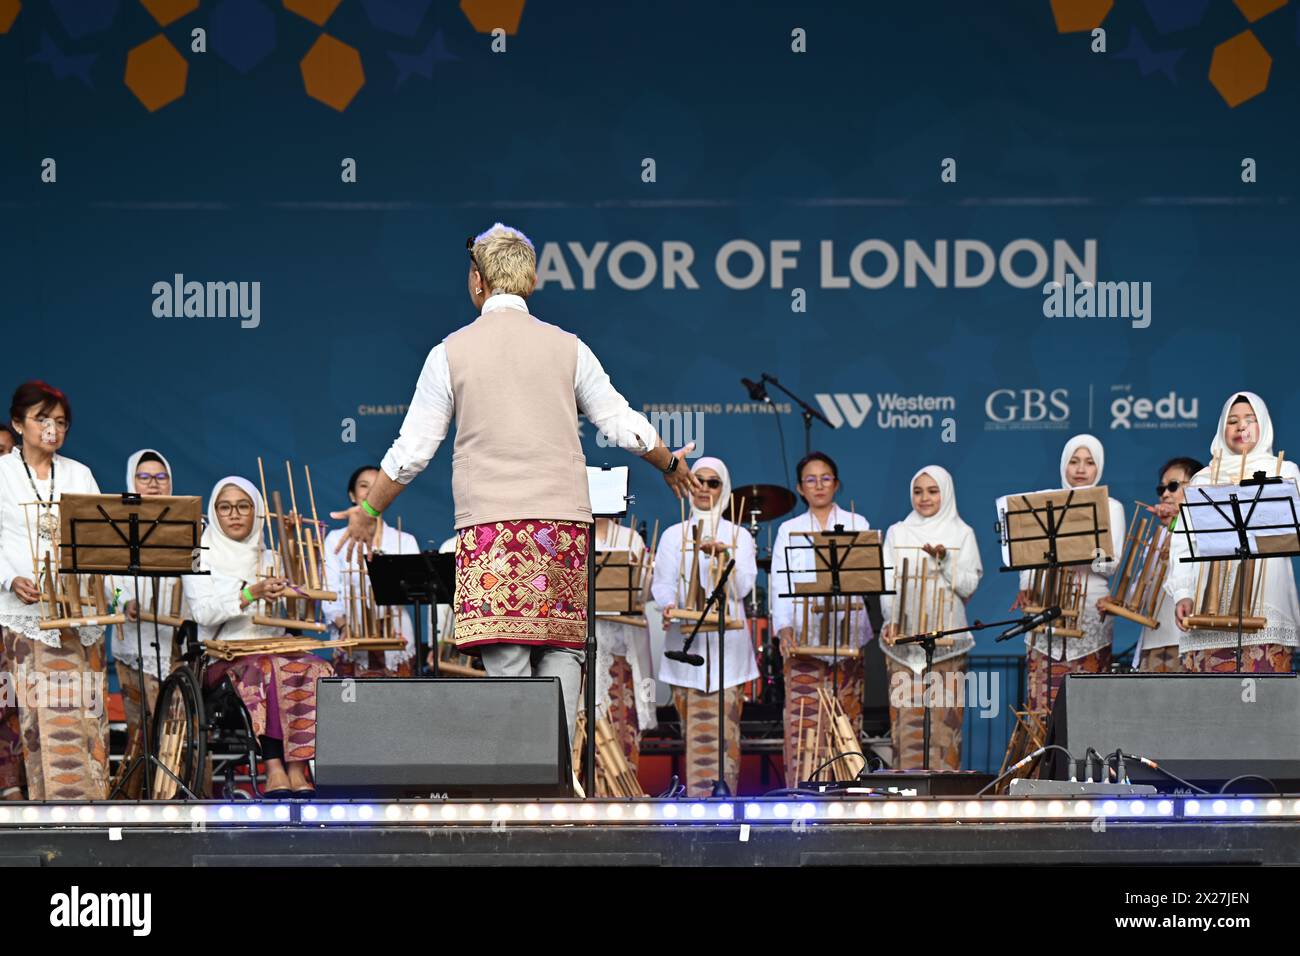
column 1206, row 728
column 481, row 737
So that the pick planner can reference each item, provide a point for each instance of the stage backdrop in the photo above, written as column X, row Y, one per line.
column 863, row 200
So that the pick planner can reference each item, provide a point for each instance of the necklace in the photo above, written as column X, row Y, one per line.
column 47, row 524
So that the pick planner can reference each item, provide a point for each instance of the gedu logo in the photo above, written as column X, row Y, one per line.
column 1171, row 411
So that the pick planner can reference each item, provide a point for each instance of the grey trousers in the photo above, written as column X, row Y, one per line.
column 520, row 660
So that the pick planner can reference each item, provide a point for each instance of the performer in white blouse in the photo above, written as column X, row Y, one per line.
column 695, row 689
column 33, row 478
column 624, row 670
column 148, row 473
column 1157, row 651
column 1242, row 445
column 514, row 386
column 818, row 484
column 1082, row 461
column 278, row 690
column 933, row 539
column 343, row 577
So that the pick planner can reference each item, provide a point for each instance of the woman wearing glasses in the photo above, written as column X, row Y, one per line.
column 149, row 474
column 1157, row 648
column 805, row 676
column 943, row 570
column 32, row 480
column 695, row 689
column 1243, row 445
column 279, row 690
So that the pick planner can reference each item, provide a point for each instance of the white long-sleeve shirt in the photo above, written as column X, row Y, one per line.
column 432, row 408
column 336, row 579
column 18, row 536
column 795, row 554
column 669, row 586
column 955, row 578
column 213, row 600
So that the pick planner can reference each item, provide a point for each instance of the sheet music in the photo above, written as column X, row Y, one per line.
column 608, row 490
column 1213, row 532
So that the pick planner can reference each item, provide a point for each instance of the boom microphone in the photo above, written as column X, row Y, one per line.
column 1030, row 622
column 757, row 390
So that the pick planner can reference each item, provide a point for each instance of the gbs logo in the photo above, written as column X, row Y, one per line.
column 1027, row 405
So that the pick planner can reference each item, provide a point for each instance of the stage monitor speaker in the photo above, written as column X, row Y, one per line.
column 431, row 738
column 1206, row 728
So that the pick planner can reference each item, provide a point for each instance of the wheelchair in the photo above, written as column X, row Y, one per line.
column 200, row 733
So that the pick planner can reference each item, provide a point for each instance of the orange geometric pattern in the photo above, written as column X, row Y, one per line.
column 8, row 12
column 1252, row 10
column 1075, row 16
column 317, row 11
column 487, row 15
column 156, row 73
column 332, row 73
column 1239, row 68
column 169, row 11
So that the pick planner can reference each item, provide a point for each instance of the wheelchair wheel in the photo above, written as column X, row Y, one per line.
column 179, row 735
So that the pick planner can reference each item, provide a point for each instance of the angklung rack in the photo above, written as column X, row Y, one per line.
column 1230, row 590
column 623, row 577
column 691, row 592
column 295, row 545
column 1138, row 593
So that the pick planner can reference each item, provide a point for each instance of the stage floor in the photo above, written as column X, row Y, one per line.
column 651, row 833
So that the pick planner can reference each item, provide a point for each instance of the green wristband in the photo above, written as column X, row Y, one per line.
column 368, row 509
column 248, row 595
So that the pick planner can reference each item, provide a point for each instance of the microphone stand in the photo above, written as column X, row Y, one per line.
column 928, row 642
column 719, row 596
column 809, row 413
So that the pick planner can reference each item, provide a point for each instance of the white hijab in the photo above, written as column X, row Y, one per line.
column 1260, row 458
column 945, row 525
column 225, row 555
column 711, row 516
column 1098, row 455
column 133, row 463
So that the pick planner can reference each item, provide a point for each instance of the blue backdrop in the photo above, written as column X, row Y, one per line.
column 227, row 166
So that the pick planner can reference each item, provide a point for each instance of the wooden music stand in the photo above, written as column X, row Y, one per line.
column 132, row 535
column 1051, row 531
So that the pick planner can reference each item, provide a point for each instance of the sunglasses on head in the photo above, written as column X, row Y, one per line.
column 1171, row 488
column 714, row 483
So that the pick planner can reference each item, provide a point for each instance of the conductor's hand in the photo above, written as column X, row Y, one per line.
column 1181, row 611
column 680, row 480
column 359, row 533
column 25, row 588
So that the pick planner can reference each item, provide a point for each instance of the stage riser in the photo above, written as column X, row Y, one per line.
column 1180, row 844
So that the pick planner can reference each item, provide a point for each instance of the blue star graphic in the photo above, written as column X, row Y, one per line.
column 421, row 63
column 1149, row 60
column 63, row 65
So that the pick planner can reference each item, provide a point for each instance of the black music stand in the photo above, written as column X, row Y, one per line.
column 831, row 557
column 1241, row 526
column 414, row 579
column 1039, row 544
column 130, row 534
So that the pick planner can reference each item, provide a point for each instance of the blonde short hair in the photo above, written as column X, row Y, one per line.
column 506, row 259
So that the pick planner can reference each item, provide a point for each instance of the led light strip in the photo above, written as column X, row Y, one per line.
column 765, row 812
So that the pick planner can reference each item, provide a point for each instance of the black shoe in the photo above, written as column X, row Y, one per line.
column 277, row 794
